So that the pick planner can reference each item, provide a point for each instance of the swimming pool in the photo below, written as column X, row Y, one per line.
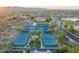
column 21, row 40
column 49, row 41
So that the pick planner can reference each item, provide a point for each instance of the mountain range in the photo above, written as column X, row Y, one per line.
column 7, row 9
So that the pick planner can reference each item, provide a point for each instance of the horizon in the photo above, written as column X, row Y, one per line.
column 48, row 4
column 47, row 7
column 36, row 3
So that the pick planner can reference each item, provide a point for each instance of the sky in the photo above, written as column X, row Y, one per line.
column 35, row 3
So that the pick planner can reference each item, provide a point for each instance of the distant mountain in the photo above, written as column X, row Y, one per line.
column 60, row 7
column 20, row 9
column 38, row 9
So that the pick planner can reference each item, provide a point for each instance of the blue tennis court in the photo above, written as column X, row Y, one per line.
column 45, row 29
column 49, row 41
column 27, row 29
column 35, row 28
column 21, row 39
column 41, row 24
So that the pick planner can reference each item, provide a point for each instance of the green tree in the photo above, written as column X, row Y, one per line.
column 63, row 49
column 61, row 36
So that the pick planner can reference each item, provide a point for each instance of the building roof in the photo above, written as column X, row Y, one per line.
column 70, row 18
column 39, row 19
column 76, row 27
column 34, row 37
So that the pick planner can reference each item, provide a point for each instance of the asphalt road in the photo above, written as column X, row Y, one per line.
column 72, row 36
